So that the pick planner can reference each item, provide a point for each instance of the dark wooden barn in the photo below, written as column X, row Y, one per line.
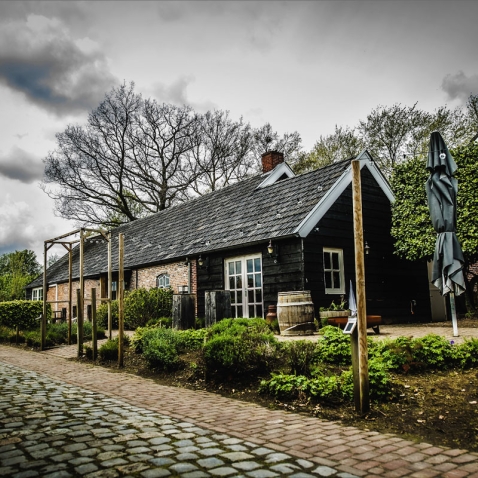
column 271, row 233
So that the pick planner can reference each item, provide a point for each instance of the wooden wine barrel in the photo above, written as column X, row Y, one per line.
column 295, row 313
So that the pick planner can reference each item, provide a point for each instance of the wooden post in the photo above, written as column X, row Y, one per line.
column 94, row 338
column 43, row 317
column 110, row 278
column 120, row 299
column 79, row 323
column 70, row 291
column 81, row 306
column 359, row 339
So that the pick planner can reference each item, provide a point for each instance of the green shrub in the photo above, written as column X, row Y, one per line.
column 109, row 350
column 161, row 353
column 298, row 386
column 141, row 307
column 380, row 382
column 334, row 347
column 466, row 354
column 160, row 347
column 433, row 351
column 190, row 339
column 300, row 355
column 102, row 315
column 22, row 313
column 240, row 346
column 398, row 353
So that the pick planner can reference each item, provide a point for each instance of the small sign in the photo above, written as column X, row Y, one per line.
column 350, row 325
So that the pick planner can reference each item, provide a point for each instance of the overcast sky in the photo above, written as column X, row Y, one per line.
column 302, row 66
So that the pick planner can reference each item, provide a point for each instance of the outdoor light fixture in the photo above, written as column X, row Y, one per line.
column 273, row 251
column 183, row 289
column 203, row 263
column 367, row 248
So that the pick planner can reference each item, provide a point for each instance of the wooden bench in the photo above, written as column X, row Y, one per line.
column 373, row 321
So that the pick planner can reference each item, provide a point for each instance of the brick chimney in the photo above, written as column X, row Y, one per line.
column 270, row 160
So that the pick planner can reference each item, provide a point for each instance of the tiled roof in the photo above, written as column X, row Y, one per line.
column 236, row 215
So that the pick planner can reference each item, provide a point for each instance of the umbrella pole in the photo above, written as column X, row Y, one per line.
column 453, row 314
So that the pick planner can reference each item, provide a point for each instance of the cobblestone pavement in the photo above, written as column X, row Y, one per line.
column 60, row 418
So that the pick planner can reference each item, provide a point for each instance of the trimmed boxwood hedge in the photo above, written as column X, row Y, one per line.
column 22, row 313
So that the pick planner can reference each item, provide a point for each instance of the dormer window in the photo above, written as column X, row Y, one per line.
column 162, row 281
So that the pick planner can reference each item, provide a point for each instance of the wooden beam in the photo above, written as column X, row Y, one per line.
column 361, row 381
column 94, row 338
column 110, row 279
column 120, row 299
column 43, row 318
column 70, row 292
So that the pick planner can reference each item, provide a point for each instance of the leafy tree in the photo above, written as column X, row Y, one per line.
column 17, row 269
column 411, row 224
column 344, row 143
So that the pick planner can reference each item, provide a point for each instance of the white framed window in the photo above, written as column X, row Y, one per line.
column 162, row 281
column 334, row 271
column 37, row 293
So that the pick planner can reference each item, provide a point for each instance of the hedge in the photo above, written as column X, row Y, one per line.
column 22, row 313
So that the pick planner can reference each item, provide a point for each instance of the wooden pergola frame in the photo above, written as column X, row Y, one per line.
column 84, row 233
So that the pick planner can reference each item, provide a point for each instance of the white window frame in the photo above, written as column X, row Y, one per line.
column 340, row 270
column 167, row 281
column 37, row 293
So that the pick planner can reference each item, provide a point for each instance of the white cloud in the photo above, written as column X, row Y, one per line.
column 20, row 165
column 459, row 86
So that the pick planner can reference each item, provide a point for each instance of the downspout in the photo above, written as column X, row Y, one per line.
column 302, row 262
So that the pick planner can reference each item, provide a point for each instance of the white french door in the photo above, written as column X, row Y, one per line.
column 244, row 280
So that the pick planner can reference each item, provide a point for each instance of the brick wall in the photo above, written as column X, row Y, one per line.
column 178, row 275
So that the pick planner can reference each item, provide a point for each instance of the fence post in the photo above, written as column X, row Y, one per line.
column 94, row 338
column 120, row 299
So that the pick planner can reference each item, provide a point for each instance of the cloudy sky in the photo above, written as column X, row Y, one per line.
column 302, row 66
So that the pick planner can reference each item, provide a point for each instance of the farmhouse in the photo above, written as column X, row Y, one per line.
column 274, row 232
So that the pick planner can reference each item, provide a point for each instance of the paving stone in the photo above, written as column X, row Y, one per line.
column 223, row 471
column 181, row 468
column 86, row 468
column 276, row 457
column 211, row 462
column 325, row 471
column 186, row 456
column 113, row 462
column 25, row 474
column 156, row 473
column 162, row 461
column 301, row 474
column 262, row 474
column 246, row 465
column 211, row 451
column 236, row 456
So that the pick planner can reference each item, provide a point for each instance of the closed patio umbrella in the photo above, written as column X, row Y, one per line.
column 442, row 189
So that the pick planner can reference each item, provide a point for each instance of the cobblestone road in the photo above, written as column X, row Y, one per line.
column 60, row 418
column 52, row 429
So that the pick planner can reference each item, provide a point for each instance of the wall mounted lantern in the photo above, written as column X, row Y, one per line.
column 273, row 251
column 203, row 263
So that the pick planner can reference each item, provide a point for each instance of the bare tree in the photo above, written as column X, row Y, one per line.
column 221, row 153
column 266, row 139
column 166, row 137
column 91, row 173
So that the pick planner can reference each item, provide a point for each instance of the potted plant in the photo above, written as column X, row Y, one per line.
column 334, row 314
